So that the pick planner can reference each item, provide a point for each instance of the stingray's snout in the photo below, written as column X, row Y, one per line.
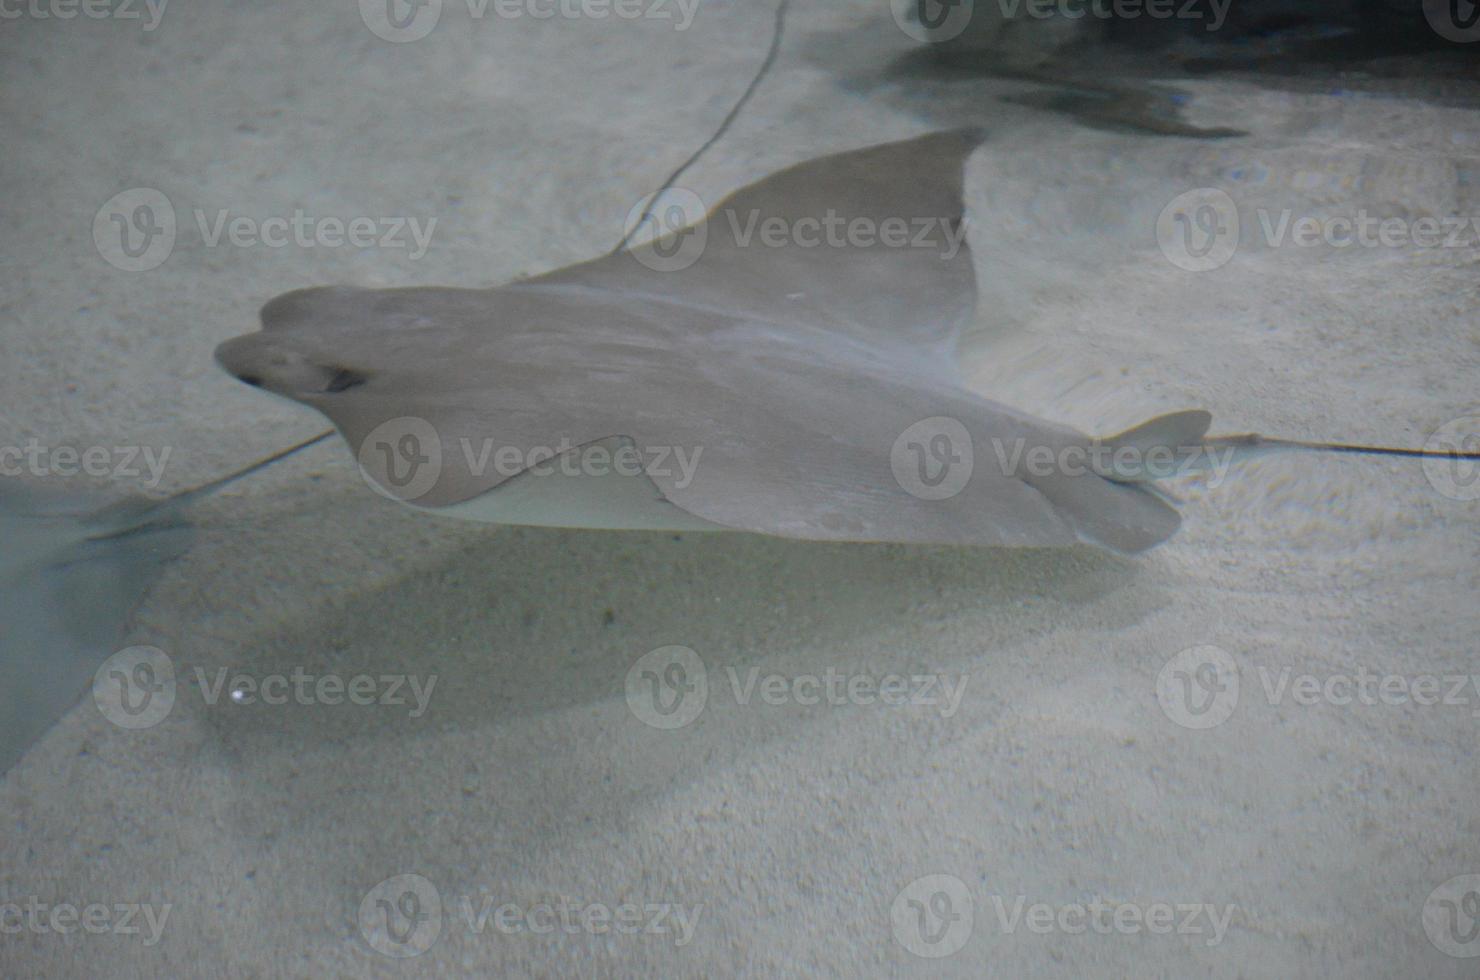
column 263, row 362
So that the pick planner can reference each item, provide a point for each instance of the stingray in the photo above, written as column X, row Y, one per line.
column 787, row 363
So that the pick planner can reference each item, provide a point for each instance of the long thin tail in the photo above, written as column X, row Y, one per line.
column 1176, row 444
column 134, row 514
column 1253, row 442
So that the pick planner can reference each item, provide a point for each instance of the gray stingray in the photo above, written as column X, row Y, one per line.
column 800, row 382
column 795, row 382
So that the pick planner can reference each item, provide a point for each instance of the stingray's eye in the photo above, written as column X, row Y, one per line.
column 343, row 380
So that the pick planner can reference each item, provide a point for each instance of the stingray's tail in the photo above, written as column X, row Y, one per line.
column 1177, row 443
column 1251, row 443
column 136, row 514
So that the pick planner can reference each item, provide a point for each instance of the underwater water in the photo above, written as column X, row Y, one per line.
column 332, row 735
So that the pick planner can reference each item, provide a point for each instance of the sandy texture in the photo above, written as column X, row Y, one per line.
column 1319, row 830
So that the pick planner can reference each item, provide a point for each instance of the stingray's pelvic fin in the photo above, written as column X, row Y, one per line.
column 1126, row 455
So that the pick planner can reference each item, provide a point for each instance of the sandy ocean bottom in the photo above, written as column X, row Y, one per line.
column 1298, row 836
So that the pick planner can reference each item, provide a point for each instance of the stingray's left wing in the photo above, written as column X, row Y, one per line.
column 869, row 244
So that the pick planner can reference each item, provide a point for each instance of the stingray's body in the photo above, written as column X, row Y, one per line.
column 786, row 373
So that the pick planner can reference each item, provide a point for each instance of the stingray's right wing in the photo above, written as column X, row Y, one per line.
column 795, row 448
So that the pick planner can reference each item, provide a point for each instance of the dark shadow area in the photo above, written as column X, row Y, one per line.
column 1120, row 73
